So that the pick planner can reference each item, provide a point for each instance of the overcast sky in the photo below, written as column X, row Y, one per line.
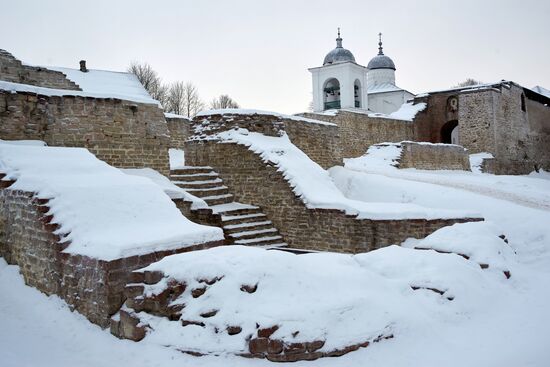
column 258, row 51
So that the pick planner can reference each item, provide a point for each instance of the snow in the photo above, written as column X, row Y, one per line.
column 16, row 87
column 373, row 287
column 540, row 90
column 240, row 111
column 407, row 111
column 39, row 143
column 491, row 321
column 112, row 84
column 175, row 116
column 314, row 186
column 102, row 212
column 173, row 191
column 476, row 160
column 177, row 158
column 531, row 191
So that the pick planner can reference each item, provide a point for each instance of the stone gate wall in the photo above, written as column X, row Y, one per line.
column 12, row 70
column 122, row 133
column 253, row 181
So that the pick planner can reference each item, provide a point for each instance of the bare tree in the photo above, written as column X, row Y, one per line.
column 468, row 82
column 150, row 80
column 183, row 99
column 223, row 101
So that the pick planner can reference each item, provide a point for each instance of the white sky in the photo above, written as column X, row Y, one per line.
column 258, row 51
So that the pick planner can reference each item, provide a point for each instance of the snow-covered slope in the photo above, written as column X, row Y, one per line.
column 103, row 212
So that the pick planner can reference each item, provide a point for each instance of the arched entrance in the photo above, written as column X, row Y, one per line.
column 357, row 93
column 449, row 133
column 331, row 94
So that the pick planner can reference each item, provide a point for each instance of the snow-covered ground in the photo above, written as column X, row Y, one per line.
column 491, row 322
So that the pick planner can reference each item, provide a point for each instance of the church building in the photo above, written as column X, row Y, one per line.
column 342, row 83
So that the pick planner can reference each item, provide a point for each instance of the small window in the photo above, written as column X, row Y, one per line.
column 523, row 102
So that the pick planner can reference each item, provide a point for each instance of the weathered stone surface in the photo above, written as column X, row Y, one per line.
column 124, row 134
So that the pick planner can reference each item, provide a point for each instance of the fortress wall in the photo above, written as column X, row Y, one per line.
column 122, row 133
column 359, row 131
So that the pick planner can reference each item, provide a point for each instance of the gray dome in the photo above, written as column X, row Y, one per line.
column 381, row 62
column 339, row 54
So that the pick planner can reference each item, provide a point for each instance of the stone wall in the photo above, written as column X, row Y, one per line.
column 358, row 131
column 90, row 286
column 433, row 156
column 179, row 131
column 321, row 142
column 12, row 70
column 255, row 182
column 122, row 133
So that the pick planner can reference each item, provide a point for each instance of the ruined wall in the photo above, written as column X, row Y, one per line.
column 92, row 287
column 359, row 131
column 433, row 156
column 320, row 142
column 12, row 70
column 122, row 133
column 179, row 131
column 253, row 181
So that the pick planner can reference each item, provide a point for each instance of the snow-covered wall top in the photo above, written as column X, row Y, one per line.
column 99, row 85
column 238, row 111
column 406, row 112
column 102, row 212
column 314, row 185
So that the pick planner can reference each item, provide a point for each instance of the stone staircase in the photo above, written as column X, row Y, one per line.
column 242, row 224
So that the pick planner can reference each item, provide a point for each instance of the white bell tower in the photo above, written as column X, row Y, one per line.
column 340, row 82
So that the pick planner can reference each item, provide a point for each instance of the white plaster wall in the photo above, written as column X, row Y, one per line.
column 346, row 73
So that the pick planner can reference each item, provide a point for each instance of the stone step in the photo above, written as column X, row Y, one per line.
column 190, row 170
column 218, row 199
column 194, row 177
column 246, row 226
column 198, row 184
column 235, row 208
column 208, row 191
column 243, row 218
column 244, row 235
column 259, row 241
